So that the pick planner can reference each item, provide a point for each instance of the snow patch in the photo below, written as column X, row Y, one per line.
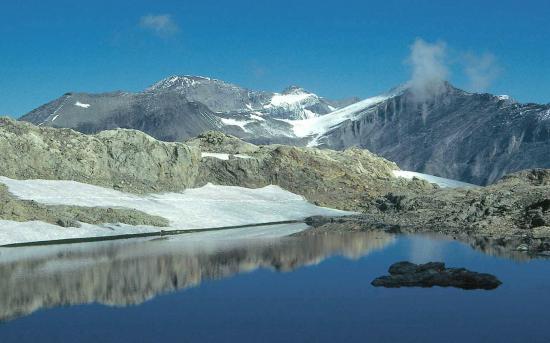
column 224, row 157
column 198, row 208
column 234, row 122
column 79, row 104
column 290, row 99
column 257, row 116
column 440, row 181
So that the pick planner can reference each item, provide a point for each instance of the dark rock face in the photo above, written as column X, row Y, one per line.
column 476, row 138
column 407, row 274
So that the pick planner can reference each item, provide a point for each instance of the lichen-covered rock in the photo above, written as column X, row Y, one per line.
column 535, row 177
column 340, row 179
column 124, row 159
column 219, row 142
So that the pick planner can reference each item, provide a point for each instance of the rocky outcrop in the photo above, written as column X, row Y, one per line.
column 219, row 142
column 407, row 274
column 325, row 177
column 124, row 159
column 515, row 211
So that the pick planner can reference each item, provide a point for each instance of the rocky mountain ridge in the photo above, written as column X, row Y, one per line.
column 131, row 161
column 470, row 137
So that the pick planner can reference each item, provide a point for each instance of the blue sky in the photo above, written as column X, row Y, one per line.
column 334, row 48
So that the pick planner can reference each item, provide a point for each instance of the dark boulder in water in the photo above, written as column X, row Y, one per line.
column 407, row 274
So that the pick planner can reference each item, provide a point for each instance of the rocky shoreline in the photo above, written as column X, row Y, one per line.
column 514, row 212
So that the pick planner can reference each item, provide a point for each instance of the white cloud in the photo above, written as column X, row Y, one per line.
column 429, row 68
column 162, row 24
column 481, row 70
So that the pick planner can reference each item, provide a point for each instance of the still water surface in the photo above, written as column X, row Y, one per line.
column 300, row 289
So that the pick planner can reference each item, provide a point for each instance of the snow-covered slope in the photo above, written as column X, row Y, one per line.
column 199, row 208
column 296, row 103
column 314, row 127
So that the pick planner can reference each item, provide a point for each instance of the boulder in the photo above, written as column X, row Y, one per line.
column 407, row 274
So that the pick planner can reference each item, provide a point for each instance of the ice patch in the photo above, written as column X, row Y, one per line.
column 234, row 122
column 79, row 104
column 198, row 208
column 440, row 181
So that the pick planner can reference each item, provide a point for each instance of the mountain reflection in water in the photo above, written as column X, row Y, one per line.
column 130, row 272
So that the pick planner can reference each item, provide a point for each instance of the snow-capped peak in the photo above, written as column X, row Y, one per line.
column 295, row 90
column 293, row 97
column 177, row 82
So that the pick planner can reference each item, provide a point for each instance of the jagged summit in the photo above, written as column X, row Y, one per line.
column 182, row 81
column 294, row 90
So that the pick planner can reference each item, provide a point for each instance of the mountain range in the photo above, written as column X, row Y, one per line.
column 451, row 133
